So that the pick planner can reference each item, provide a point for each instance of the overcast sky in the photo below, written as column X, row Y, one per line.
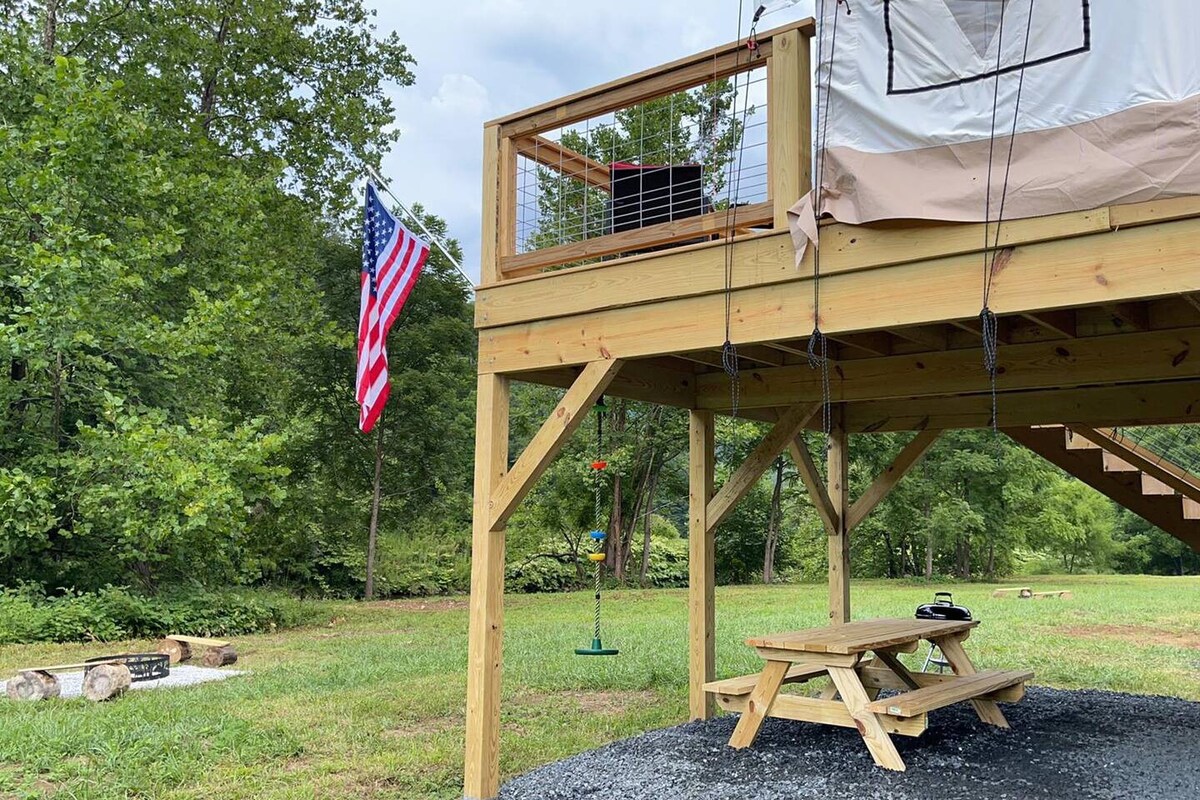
column 481, row 59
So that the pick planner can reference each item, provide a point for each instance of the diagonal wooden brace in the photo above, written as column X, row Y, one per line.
column 566, row 418
column 813, row 482
column 740, row 482
column 888, row 479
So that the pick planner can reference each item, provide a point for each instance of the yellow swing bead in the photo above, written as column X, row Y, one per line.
column 595, row 556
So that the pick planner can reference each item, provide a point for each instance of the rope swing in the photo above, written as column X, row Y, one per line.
column 597, row 536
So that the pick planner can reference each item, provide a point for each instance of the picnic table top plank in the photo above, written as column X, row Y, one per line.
column 862, row 636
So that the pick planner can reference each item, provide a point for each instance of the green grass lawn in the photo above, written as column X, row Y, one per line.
column 371, row 704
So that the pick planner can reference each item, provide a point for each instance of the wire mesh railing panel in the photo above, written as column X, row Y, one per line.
column 668, row 159
column 1177, row 444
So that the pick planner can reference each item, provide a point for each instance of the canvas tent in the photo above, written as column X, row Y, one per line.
column 914, row 99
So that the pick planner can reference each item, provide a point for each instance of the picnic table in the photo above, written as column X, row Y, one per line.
column 852, row 700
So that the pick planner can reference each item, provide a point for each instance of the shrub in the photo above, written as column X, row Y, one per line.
column 115, row 613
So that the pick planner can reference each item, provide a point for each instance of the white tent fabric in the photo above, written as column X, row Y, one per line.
column 1109, row 107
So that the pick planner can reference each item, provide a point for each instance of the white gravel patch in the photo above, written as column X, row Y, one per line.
column 71, row 683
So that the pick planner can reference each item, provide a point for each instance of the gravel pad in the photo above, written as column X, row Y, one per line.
column 71, row 683
column 1062, row 745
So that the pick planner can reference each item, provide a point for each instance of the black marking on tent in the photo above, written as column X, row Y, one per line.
column 1086, row 47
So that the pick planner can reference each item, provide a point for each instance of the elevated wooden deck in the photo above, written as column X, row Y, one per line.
column 1099, row 325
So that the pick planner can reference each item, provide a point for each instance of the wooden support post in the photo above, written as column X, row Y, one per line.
column 485, row 628
column 789, row 125
column 489, row 241
column 506, row 222
column 839, row 538
column 567, row 416
column 701, row 565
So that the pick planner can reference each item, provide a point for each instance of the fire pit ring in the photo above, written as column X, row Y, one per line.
column 142, row 666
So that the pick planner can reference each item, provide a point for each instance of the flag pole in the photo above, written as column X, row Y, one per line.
column 375, row 495
column 383, row 185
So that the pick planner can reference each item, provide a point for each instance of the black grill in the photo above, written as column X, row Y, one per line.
column 943, row 607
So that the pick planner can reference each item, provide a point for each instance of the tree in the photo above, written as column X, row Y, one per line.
column 290, row 89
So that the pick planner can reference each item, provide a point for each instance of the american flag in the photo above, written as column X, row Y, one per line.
column 391, row 263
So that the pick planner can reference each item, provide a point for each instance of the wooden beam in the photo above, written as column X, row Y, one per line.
column 875, row 343
column 567, row 416
column 1060, row 322
column 888, row 479
column 931, row 337
column 1127, row 216
column 1099, row 360
column 814, row 483
column 489, row 241
column 839, row 538
column 486, row 617
column 767, row 258
column 1130, row 404
column 1130, row 316
column 676, row 76
column 563, row 159
column 789, row 124
column 660, row 380
column 702, row 556
column 743, row 479
column 1154, row 260
column 714, row 223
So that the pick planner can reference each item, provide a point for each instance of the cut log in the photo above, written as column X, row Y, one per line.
column 30, row 685
column 219, row 656
column 106, row 681
column 175, row 650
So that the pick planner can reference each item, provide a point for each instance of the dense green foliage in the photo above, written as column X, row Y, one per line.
column 178, row 302
column 115, row 614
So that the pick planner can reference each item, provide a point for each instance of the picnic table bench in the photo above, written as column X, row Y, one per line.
column 839, row 651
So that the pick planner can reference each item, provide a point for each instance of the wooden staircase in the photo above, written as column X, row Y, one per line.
column 1159, row 491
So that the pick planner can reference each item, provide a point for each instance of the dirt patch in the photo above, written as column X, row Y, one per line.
column 1139, row 634
column 425, row 727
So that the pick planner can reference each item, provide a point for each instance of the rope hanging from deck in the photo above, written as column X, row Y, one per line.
column 818, row 344
column 729, row 355
column 989, row 328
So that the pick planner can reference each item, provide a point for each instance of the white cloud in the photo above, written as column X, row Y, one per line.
column 461, row 95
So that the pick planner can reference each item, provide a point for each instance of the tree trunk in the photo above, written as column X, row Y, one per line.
column 773, row 522
column 616, row 524
column 50, row 30
column 106, row 681
column 928, row 545
column 375, row 494
column 647, row 524
column 208, row 99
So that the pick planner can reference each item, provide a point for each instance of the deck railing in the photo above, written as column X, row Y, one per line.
column 745, row 118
